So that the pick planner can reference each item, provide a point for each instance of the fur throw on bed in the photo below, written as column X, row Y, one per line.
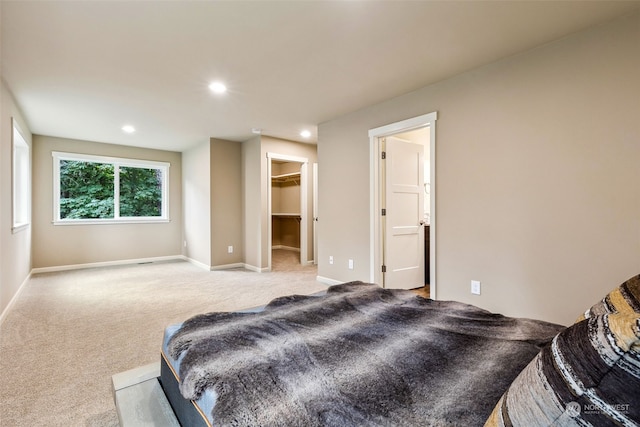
column 358, row 356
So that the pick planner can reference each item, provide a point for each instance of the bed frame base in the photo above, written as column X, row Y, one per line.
column 140, row 400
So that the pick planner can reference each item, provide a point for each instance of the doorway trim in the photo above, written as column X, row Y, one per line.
column 376, row 241
column 315, row 212
column 303, row 204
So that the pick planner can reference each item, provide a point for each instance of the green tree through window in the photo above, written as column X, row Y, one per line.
column 140, row 192
column 104, row 189
column 86, row 190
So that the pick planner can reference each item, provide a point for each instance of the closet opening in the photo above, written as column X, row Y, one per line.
column 287, row 202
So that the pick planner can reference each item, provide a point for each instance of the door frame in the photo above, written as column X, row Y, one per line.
column 303, row 204
column 315, row 212
column 376, row 190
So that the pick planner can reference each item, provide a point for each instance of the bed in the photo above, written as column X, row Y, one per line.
column 363, row 355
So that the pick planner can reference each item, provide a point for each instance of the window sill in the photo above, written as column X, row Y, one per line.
column 111, row 221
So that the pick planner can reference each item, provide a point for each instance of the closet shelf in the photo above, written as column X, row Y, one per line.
column 285, row 177
column 286, row 214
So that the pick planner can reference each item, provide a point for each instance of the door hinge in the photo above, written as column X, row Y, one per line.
column 384, row 212
column 384, row 268
column 384, row 155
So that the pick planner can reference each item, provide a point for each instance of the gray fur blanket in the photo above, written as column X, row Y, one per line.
column 358, row 356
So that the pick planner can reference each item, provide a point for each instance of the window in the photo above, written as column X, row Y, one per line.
column 96, row 189
column 21, row 180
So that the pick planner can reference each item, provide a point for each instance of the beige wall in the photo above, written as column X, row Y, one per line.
column 538, row 185
column 285, row 198
column 55, row 246
column 226, row 202
column 212, row 188
column 15, row 248
column 196, row 209
column 252, row 203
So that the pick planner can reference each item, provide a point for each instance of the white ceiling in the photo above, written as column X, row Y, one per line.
column 83, row 69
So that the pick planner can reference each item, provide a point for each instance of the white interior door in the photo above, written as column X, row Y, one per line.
column 403, row 221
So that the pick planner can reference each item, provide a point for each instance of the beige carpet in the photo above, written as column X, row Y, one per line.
column 68, row 332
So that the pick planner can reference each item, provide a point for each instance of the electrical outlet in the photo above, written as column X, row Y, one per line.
column 230, row 249
column 475, row 287
column 331, row 259
column 350, row 264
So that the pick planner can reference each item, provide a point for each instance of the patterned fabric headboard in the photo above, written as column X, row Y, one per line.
column 623, row 299
column 589, row 375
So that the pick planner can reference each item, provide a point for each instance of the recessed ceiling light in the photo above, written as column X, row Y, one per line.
column 305, row 134
column 128, row 129
column 217, row 87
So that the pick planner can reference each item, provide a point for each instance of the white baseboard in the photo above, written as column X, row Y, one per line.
column 256, row 269
column 224, row 266
column 4, row 313
column 199, row 264
column 227, row 266
column 105, row 264
column 328, row 281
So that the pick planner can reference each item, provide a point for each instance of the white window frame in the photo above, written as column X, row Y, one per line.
column 117, row 162
column 21, row 179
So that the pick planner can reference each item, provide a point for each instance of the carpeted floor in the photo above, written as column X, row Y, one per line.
column 68, row 332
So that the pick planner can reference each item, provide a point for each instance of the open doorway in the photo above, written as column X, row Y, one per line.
column 403, row 204
column 287, row 210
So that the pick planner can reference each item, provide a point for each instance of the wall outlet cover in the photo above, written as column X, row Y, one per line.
column 475, row 287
